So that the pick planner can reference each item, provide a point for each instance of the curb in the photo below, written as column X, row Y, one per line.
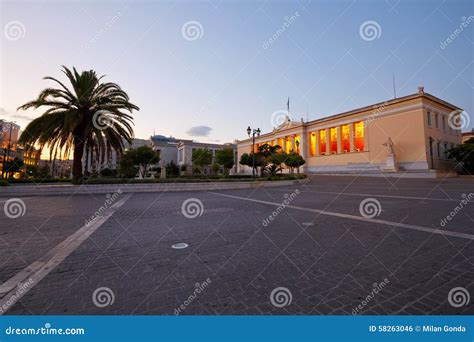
column 42, row 190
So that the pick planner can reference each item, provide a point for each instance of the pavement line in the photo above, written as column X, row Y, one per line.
column 358, row 218
column 17, row 286
column 377, row 195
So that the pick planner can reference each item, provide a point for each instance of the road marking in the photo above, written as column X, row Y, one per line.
column 17, row 286
column 358, row 218
column 376, row 195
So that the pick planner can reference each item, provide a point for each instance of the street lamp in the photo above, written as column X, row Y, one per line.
column 253, row 132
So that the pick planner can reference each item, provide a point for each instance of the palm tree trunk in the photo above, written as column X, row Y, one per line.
column 77, row 161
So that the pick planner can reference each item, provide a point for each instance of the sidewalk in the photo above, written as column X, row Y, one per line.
column 66, row 189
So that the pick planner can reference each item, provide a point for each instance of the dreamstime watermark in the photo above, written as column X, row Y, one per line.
column 279, row 117
column 377, row 111
column 192, row 30
column 376, row 288
column 287, row 22
column 465, row 200
column 370, row 208
column 111, row 198
column 107, row 26
column 14, row 297
column 464, row 24
column 103, row 296
column 14, row 30
column 281, row 297
column 458, row 297
column 370, row 30
column 288, row 199
column 459, row 120
column 47, row 329
column 102, row 119
column 192, row 208
column 14, row 208
column 199, row 288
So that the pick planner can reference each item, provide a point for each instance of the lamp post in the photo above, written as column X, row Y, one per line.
column 253, row 132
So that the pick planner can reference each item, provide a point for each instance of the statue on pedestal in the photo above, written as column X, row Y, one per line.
column 390, row 164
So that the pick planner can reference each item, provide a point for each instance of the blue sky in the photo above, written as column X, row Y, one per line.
column 213, row 87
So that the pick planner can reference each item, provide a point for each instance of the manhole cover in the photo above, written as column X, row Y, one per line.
column 308, row 224
column 180, row 245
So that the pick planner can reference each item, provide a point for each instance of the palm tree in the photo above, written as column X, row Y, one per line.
column 89, row 117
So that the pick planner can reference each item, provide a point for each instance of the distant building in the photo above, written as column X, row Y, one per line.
column 167, row 147
column 10, row 149
column 467, row 135
column 187, row 147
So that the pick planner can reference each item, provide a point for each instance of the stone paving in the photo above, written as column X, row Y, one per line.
column 313, row 263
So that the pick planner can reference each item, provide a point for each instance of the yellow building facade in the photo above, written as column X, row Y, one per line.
column 410, row 133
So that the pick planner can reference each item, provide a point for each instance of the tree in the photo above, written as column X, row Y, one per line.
column 202, row 157
column 246, row 159
column 268, row 150
column 225, row 157
column 127, row 167
column 172, row 169
column 294, row 160
column 464, row 155
column 278, row 159
column 89, row 116
column 13, row 166
column 144, row 156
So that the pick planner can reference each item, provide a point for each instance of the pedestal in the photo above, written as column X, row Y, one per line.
column 390, row 163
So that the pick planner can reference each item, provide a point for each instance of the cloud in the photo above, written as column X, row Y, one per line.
column 4, row 112
column 199, row 131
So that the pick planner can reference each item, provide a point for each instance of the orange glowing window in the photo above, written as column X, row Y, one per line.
column 346, row 138
column 359, row 136
column 322, row 141
column 280, row 143
column 312, row 144
column 289, row 146
column 297, row 143
column 333, row 139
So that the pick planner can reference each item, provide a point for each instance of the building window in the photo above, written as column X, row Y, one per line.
column 436, row 120
column 280, row 143
column 446, row 150
column 333, row 139
column 428, row 118
column 359, row 136
column 346, row 138
column 289, row 146
column 297, row 143
column 322, row 141
column 443, row 118
column 312, row 144
column 438, row 152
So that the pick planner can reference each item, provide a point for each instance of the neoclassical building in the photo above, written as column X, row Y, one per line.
column 410, row 133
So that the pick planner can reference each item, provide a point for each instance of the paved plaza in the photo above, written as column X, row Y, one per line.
column 327, row 246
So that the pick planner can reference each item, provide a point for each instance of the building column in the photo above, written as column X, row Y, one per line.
column 366, row 140
column 293, row 143
column 351, row 136
column 316, row 151
column 304, row 145
column 339, row 144
column 328, row 143
column 283, row 148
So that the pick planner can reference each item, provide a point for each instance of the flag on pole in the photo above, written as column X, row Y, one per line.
column 288, row 104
